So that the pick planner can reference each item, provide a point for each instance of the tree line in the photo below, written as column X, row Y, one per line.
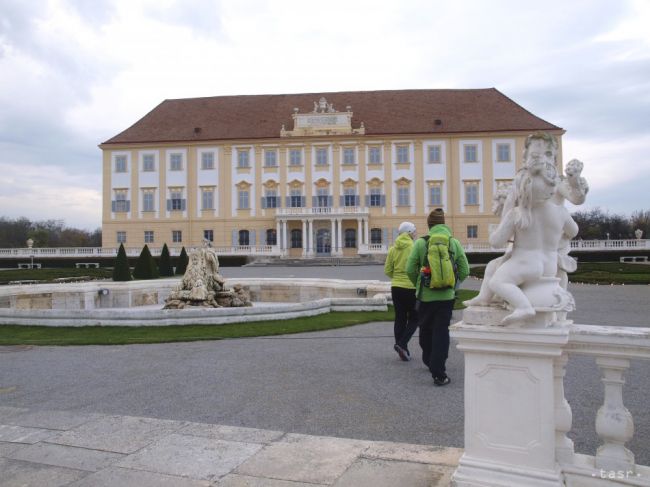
column 597, row 224
column 47, row 233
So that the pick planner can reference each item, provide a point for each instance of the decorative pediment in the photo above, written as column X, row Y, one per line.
column 324, row 119
column 295, row 184
column 322, row 183
column 243, row 185
column 349, row 183
column 375, row 183
column 433, row 182
column 270, row 184
column 402, row 181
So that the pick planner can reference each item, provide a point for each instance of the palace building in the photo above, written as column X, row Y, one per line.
column 302, row 175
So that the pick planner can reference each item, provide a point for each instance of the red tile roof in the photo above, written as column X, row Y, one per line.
column 382, row 112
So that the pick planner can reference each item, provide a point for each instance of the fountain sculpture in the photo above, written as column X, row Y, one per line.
column 202, row 285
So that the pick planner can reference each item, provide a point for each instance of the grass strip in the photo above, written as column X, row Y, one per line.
column 123, row 335
column 599, row 273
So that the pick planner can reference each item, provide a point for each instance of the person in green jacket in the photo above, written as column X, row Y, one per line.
column 435, row 305
column 402, row 289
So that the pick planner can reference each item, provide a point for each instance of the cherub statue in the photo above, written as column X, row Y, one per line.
column 535, row 223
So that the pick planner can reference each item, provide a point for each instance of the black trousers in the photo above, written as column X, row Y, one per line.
column 434, row 319
column 406, row 320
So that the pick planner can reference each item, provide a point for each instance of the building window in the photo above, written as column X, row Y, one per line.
column 148, row 236
column 148, row 163
column 350, row 238
column 270, row 158
column 176, row 201
column 121, row 237
column 148, row 200
column 375, row 236
column 176, row 162
column 402, row 154
column 177, row 236
column 435, row 195
column 207, row 160
column 350, row 197
column 321, row 157
column 296, row 238
column 403, row 196
column 120, row 163
column 244, row 237
column 295, row 199
column 472, row 231
column 243, row 199
column 503, row 153
column 295, row 157
column 208, row 235
column 207, row 198
column 375, row 197
column 322, row 199
column 242, row 158
column 348, row 156
column 121, row 204
column 471, row 193
column 271, row 199
column 271, row 237
column 374, row 155
column 434, row 154
column 470, row 152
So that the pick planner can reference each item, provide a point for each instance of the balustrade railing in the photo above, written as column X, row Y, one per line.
column 322, row 211
column 470, row 247
column 612, row 348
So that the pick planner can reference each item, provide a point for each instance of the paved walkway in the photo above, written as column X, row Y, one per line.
column 59, row 448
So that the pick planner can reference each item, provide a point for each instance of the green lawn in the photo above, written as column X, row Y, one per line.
column 600, row 273
column 122, row 335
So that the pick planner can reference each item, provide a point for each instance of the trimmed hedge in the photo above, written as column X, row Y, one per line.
column 183, row 259
column 145, row 267
column 165, row 264
column 121, row 270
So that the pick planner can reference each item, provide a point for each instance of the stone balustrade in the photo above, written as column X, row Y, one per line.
column 516, row 414
column 577, row 246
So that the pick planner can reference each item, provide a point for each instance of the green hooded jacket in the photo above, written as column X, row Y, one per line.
column 418, row 257
column 395, row 266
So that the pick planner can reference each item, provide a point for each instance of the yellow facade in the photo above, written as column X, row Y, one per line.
column 322, row 188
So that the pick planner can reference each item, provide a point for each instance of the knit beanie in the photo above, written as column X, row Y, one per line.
column 436, row 217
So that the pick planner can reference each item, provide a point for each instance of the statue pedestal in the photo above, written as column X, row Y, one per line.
column 509, row 400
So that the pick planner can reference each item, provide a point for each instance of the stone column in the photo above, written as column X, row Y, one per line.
column 310, row 237
column 339, row 224
column 510, row 415
column 278, row 233
column 359, row 229
column 366, row 231
column 285, row 236
column 333, row 249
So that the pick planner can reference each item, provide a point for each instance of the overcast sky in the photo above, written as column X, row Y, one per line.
column 73, row 73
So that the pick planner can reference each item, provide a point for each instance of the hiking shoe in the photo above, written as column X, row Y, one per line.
column 441, row 381
column 403, row 354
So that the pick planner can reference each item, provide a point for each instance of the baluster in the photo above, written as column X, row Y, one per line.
column 614, row 423
column 564, row 451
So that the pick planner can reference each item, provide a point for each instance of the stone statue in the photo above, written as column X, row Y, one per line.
column 202, row 285
column 638, row 233
column 536, row 230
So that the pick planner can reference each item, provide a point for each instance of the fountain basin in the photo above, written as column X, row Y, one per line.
column 140, row 303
